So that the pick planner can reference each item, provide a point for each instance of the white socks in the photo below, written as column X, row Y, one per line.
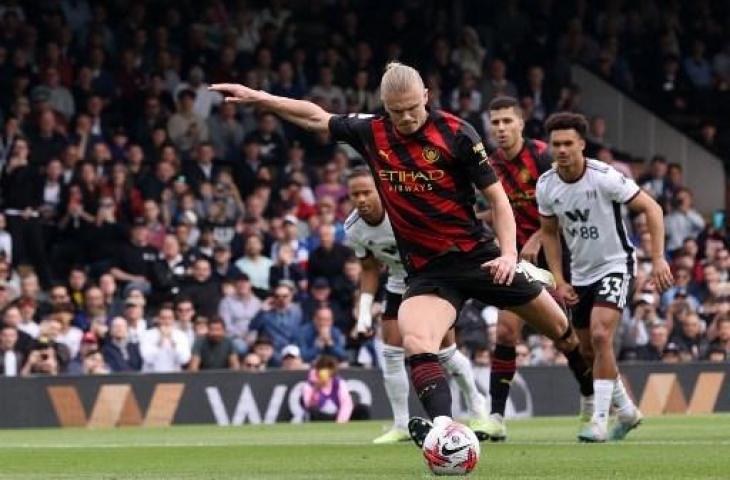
column 603, row 391
column 459, row 367
column 397, row 384
column 621, row 401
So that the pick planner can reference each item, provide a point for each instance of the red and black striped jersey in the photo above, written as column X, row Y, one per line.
column 519, row 178
column 426, row 180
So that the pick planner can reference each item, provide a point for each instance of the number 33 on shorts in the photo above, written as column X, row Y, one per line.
column 613, row 289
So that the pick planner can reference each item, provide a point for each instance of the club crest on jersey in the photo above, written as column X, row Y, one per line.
column 430, row 154
column 525, row 175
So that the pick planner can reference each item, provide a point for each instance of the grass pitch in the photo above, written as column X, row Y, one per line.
column 662, row 448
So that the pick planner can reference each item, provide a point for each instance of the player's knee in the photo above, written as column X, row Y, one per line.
column 600, row 338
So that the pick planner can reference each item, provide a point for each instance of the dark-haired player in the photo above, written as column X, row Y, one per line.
column 519, row 162
column 582, row 198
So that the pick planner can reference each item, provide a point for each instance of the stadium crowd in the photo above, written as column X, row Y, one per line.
column 147, row 226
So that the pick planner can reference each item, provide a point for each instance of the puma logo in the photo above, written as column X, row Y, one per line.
column 384, row 154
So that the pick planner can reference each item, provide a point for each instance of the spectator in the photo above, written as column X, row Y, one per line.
column 113, row 303
column 21, row 193
column 285, row 268
column 689, row 336
column 205, row 99
column 226, row 132
column 68, row 335
column 185, row 316
column 204, row 169
column 6, row 240
column 215, row 350
column 291, row 359
column 134, row 315
column 11, row 317
column 136, row 259
column 121, row 354
column 238, row 310
column 267, row 135
column 186, row 128
column 722, row 334
column 658, row 338
column 94, row 364
column 321, row 296
column 321, row 337
column 11, row 357
column 683, row 221
column 252, row 363
column 203, row 289
column 164, row 348
column 329, row 258
column 280, row 323
column 169, row 271
column 42, row 359
column 256, row 265
column 325, row 396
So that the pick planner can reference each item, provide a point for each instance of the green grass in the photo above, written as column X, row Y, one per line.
column 663, row 448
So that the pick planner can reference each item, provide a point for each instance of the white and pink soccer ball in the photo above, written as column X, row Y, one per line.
column 452, row 449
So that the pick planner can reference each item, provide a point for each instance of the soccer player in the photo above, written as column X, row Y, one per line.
column 518, row 162
column 371, row 237
column 582, row 198
column 426, row 164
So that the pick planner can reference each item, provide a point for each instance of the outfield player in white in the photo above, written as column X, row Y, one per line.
column 583, row 197
column 369, row 233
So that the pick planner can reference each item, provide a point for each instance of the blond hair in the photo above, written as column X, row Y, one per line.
column 399, row 78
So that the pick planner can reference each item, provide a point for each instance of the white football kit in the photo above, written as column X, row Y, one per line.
column 378, row 241
column 589, row 213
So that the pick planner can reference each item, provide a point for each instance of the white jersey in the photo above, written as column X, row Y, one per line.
column 589, row 214
column 378, row 241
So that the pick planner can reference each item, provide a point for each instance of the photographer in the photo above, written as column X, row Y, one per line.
column 43, row 359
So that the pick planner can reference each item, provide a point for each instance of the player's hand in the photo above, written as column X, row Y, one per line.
column 531, row 249
column 502, row 268
column 237, row 93
column 661, row 274
column 566, row 292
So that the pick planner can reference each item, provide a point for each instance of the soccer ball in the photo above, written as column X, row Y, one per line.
column 452, row 449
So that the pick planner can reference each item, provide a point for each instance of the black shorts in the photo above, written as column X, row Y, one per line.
column 457, row 276
column 392, row 304
column 613, row 291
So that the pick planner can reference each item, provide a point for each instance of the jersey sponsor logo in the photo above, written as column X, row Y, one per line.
column 430, row 154
column 578, row 215
column 411, row 180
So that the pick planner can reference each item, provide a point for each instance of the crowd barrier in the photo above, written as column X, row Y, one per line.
column 234, row 398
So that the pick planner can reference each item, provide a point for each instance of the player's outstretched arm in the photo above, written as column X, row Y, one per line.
column 503, row 223
column 302, row 113
column 661, row 273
